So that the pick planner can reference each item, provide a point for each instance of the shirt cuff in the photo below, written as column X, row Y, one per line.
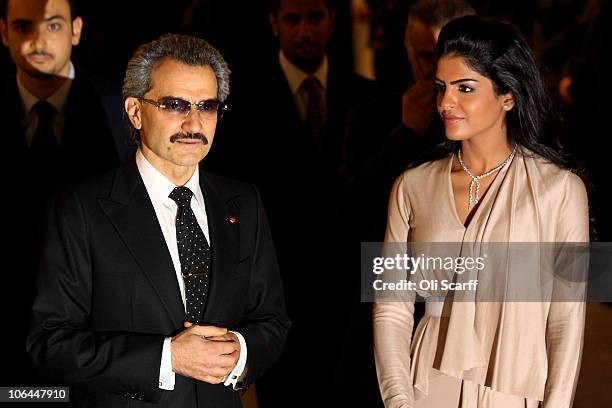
column 233, row 377
column 166, row 375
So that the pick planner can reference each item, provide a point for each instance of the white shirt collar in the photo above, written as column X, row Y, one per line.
column 296, row 76
column 59, row 99
column 159, row 187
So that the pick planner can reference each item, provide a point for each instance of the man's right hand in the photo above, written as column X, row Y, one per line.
column 418, row 106
column 195, row 356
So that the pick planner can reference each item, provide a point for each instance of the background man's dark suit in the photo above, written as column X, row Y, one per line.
column 264, row 138
column 268, row 142
column 94, row 112
column 92, row 122
column 108, row 294
column 377, row 149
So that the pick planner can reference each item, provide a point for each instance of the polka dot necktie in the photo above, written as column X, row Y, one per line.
column 194, row 254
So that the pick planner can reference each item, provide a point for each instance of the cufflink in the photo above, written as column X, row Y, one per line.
column 240, row 385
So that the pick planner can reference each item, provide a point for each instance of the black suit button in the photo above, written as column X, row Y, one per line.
column 140, row 397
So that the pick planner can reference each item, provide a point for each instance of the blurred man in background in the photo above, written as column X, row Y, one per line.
column 53, row 115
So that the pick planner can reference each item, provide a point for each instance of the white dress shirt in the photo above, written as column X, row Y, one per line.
column 159, row 188
column 295, row 78
column 58, row 100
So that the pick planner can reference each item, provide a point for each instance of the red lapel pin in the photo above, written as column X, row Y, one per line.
column 233, row 219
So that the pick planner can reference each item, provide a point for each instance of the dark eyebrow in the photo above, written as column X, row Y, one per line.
column 24, row 21
column 457, row 81
column 172, row 97
column 183, row 99
column 54, row 17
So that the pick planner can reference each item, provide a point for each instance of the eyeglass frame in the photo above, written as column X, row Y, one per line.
column 222, row 108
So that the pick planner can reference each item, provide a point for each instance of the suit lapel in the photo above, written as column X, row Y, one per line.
column 131, row 212
column 83, row 114
column 288, row 112
column 11, row 109
column 224, row 243
column 337, row 90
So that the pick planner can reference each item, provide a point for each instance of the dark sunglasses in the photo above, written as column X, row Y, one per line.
column 208, row 109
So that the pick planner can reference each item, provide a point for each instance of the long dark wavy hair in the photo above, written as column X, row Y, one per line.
column 498, row 51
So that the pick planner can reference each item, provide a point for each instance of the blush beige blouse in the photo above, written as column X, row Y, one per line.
column 530, row 350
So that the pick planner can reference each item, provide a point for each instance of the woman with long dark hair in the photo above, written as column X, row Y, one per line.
column 502, row 176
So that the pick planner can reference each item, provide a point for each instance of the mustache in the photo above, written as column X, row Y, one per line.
column 39, row 53
column 189, row 135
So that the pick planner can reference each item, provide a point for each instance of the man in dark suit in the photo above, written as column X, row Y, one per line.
column 52, row 117
column 284, row 129
column 159, row 282
column 40, row 36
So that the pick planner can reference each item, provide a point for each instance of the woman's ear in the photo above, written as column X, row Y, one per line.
column 507, row 102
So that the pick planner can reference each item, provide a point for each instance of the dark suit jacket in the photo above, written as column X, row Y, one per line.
column 87, row 148
column 108, row 296
column 95, row 135
column 265, row 141
column 263, row 116
column 377, row 148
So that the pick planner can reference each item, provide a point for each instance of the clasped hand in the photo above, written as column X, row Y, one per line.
column 205, row 353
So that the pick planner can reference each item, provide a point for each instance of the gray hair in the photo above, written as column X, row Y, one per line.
column 436, row 13
column 182, row 48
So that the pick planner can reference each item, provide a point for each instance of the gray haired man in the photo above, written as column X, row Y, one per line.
column 425, row 20
column 379, row 143
column 159, row 281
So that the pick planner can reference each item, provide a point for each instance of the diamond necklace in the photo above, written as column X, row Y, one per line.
column 476, row 179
